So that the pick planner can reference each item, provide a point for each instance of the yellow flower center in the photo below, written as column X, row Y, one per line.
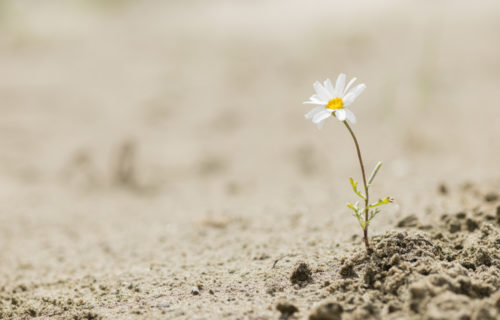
column 335, row 103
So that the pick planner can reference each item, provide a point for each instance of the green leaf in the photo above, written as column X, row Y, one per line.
column 355, row 208
column 374, row 173
column 351, row 206
column 373, row 214
column 355, row 189
column 380, row 202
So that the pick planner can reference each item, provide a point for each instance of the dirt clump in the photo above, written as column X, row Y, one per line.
column 301, row 274
column 327, row 311
column 410, row 221
column 87, row 316
column 443, row 189
column 287, row 309
column 491, row 197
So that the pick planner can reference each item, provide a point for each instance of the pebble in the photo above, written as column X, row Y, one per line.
column 195, row 291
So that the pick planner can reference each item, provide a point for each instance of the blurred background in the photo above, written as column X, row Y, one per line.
column 130, row 128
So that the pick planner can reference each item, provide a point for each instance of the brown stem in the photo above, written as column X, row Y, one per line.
column 365, row 229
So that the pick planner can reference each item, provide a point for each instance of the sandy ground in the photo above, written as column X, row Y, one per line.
column 149, row 149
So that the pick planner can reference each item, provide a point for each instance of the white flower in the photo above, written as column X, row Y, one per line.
column 333, row 100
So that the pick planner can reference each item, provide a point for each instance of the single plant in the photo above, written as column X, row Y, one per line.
column 333, row 101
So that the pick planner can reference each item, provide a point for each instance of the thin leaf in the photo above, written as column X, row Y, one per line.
column 374, row 173
column 355, row 208
column 352, row 207
column 355, row 189
column 373, row 214
column 380, row 202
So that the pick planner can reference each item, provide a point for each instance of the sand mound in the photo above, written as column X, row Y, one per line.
column 449, row 271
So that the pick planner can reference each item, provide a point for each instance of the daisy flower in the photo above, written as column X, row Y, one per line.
column 333, row 101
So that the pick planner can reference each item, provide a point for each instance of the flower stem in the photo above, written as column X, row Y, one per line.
column 365, row 228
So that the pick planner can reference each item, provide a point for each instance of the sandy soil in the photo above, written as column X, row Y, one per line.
column 155, row 162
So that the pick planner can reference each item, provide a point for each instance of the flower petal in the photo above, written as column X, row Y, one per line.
column 322, row 115
column 353, row 94
column 313, row 112
column 315, row 100
column 320, row 124
column 319, row 103
column 350, row 116
column 341, row 114
column 349, row 98
column 358, row 89
column 339, row 85
column 349, row 85
column 329, row 88
column 321, row 91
